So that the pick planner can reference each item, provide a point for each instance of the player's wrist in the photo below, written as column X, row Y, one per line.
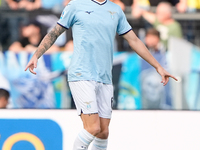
column 35, row 56
column 158, row 67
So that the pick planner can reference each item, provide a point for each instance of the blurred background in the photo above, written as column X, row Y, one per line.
column 39, row 112
column 169, row 28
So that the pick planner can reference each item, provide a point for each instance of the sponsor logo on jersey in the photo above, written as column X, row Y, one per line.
column 89, row 12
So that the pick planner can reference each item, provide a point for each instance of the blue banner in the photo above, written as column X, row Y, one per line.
column 136, row 83
column 35, row 91
column 192, row 81
column 30, row 134
column 129, row 84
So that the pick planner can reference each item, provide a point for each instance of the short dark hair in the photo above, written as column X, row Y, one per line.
column 4, row 93
column 153, row 31
column 32, row 22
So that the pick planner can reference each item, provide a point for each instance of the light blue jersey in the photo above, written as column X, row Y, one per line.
column 94, row 26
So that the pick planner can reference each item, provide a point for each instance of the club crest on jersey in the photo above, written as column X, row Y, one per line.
column 89, row 12
column 112, row 14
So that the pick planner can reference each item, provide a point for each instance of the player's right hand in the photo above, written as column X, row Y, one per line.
column 32, row 64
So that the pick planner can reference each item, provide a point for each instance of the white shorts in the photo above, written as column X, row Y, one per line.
column 92, row 97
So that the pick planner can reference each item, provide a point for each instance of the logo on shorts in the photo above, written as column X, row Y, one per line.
column 89, row 104
column 78, row 74
column 112, row 14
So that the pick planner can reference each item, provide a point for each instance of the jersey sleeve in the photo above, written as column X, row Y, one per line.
column 67, row 17
column 123, row 25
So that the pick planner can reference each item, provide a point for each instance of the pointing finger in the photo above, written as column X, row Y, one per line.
column 173, row 77
column 26, row 68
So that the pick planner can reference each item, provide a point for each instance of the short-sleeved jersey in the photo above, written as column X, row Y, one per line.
column 94, row 26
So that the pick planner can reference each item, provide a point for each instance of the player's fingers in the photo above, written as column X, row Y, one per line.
column 35, row 64
column 173, row 77
column 31, row 70
column 163, row 79
column 27, row 66
column 166, row 81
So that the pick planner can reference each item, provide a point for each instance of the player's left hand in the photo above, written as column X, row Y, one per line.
column 165, row 75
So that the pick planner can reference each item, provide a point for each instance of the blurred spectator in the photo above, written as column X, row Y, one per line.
column 30, row 40
column 138, row 5
column 120, row 3
column 162, row 20
column 4, row 96
column 4, row 92
column 154, row 95
column 55, row 5
column 152, row 41
column 156, row 2
column 181, row 5
column 193, row 5
column 24, row 4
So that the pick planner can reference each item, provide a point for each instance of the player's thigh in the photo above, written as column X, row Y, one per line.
column 91, row 121
column 84, row 96
column 104, row 101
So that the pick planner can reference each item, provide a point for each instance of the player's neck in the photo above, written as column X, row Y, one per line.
column 100, row 1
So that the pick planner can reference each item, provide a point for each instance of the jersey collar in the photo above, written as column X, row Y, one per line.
column 100, row 3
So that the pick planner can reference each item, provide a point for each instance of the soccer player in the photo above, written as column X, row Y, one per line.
column 94, row 25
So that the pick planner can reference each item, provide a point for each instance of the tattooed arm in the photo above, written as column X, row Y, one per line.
column 49, row 40
column 46, row 43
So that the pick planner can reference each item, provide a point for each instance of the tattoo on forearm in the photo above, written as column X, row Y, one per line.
column 49, row 40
